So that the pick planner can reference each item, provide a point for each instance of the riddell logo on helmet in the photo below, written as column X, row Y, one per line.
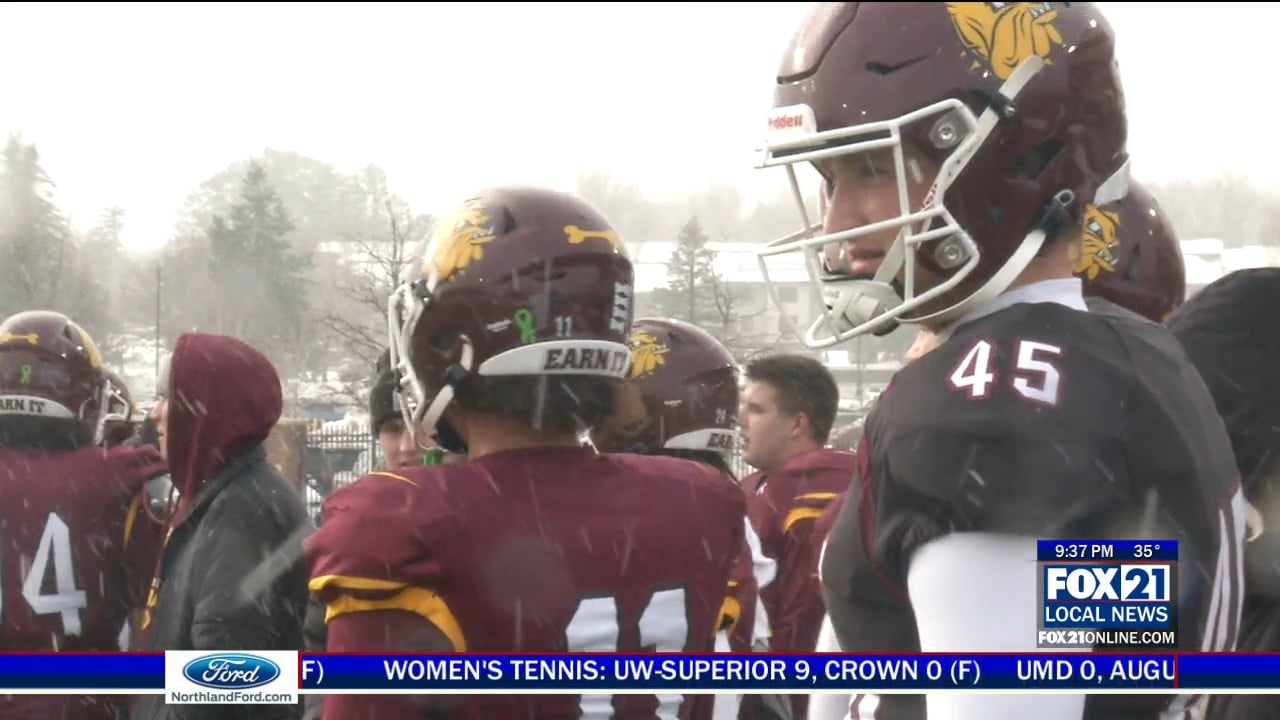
column 786, row 121
column 792, row 120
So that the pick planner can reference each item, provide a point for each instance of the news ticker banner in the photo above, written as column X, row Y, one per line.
column 279, row 677
column 1107, row 594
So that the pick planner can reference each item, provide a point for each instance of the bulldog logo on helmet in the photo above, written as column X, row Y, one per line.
column 1001, row 35
column 646, row 354
column 1094, row 254
column 459, row 239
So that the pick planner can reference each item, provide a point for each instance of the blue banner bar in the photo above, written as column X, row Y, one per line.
column 590, row 673
column 1233, row 672
column 671, row 672
column 1103, row 550
column 82, row 671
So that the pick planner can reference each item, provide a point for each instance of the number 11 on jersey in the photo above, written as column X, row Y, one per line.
column 1035, row 376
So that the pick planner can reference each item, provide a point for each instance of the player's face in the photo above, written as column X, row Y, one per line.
column 863, row 190
column 160, row 415
column 398, row 445
column 766, row 430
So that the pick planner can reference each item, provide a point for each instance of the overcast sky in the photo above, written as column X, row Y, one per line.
column 135, row 105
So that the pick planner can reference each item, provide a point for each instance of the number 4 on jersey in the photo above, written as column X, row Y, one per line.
column 66, row 600
column 1035, row 377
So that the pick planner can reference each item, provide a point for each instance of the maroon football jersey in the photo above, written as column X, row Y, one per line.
column 62, row 561
column 546, row 550
column 71, row 528
column 783, row 510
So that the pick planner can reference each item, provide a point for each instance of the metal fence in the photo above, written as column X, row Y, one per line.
column 331, row 460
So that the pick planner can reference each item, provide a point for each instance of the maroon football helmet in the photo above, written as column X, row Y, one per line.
column 117, row 420
column 515, row 281
column 50, row 368
column 688, row 383
column 1130, row 255
column 1019, row 105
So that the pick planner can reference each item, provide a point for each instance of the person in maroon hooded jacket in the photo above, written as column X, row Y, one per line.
column 232, row 575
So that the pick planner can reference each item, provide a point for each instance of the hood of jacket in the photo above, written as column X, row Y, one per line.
column 223, row 399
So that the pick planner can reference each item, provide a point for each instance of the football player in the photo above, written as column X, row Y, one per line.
column 400, row 448
column 958, row 144
column 1229, row 331
column 147, row 520
column 1130, row 262
column 68, row 508
column 511, row 333
column 788, row 409
column 684, row 388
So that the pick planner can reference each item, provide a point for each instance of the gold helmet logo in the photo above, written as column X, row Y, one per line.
column 1095, row 253
column 647, row 354
column 459, row 239
column 577, row 236
column 28, row 338
column 1000, row 36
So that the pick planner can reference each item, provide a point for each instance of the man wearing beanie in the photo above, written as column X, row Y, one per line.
column 1229, row 331
column 387, row 423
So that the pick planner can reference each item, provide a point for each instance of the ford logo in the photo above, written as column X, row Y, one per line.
column 231, row 671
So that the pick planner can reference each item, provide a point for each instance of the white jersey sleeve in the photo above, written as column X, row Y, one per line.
column 976, row 592
column 828, row 706
column 764, row 569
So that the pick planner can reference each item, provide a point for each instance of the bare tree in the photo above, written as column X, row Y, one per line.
column 730, row 317
column 371, row 268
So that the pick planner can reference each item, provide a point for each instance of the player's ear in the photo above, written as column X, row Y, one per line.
column 800, row 425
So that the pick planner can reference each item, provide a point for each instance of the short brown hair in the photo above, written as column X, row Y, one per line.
column 802, row 385
column 549, row 403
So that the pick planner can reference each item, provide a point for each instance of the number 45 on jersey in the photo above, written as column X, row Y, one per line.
column 1034, row 373
column 66, row 600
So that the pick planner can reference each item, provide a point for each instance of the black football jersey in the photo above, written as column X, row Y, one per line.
column 1044, row 421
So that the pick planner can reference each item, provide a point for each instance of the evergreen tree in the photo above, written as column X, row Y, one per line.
column 259, row 279
column 691, row 277
column 33, row 232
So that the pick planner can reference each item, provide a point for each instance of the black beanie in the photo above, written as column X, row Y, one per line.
column 383, row 402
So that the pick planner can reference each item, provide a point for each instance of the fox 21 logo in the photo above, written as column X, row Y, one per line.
column 1148, row 582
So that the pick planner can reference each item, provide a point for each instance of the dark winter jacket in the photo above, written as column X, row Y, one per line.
column 232, row 576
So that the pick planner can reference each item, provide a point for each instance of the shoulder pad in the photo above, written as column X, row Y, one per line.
column 377, row 533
